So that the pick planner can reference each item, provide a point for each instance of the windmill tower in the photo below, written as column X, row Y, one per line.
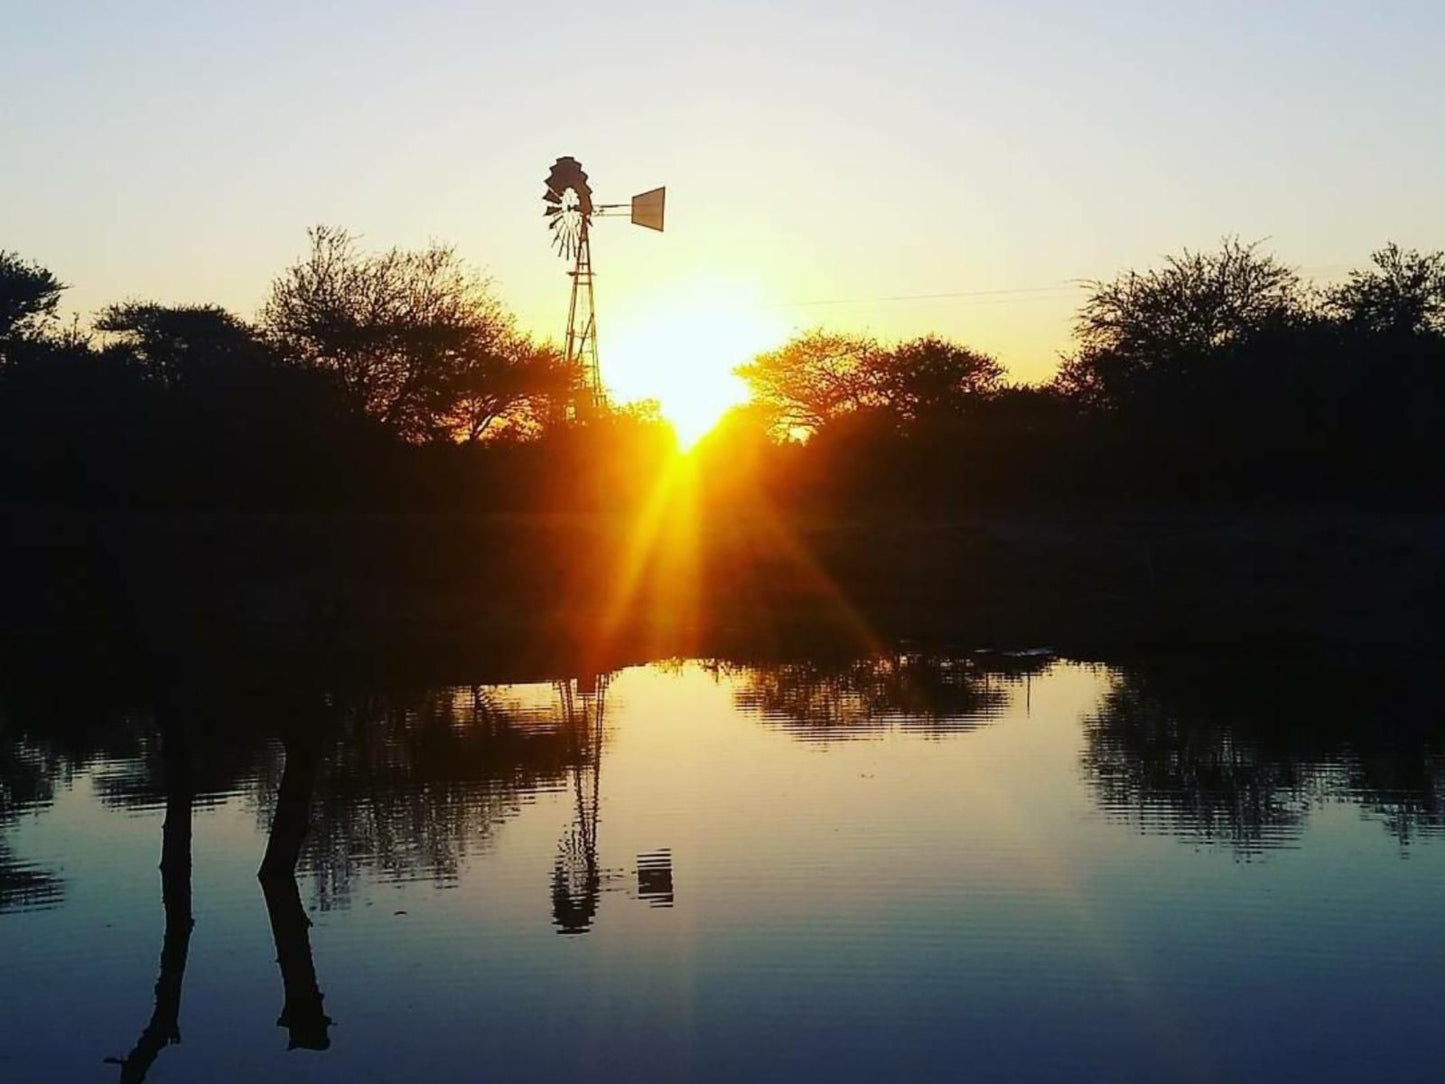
column 570, row 209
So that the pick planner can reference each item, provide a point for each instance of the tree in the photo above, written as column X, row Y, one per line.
column 176, row 345
column 417, row 339
column 217, row 413
column 930, row 377
column 820, row 378
column 1403, row 294
column 1151, row 332
column 29, row 299
column 519, row 387
column 814, row 379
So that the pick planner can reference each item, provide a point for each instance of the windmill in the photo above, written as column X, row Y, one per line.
column 569, row 209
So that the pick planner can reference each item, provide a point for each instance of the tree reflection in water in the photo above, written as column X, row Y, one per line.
column 408, row 783
column 25, row 888
column 930, row 694
column 26, row 785
column 403, row 784
column 1239, row 752
column 47, row 733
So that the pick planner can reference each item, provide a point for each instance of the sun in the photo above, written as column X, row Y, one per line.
column 680, row 346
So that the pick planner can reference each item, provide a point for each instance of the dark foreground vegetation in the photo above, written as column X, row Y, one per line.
column 380, row 461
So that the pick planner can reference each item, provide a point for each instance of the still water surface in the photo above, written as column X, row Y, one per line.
column 903, row 868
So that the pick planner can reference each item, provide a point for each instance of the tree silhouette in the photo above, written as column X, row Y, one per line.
column 213, row 404
column 29, row 299
column 814, row 379
column 1403, row 294
column 519, row 386
column 821, row 378
column 417, row 339
column 185, row 344
column 1156, row 332
column 931, row 378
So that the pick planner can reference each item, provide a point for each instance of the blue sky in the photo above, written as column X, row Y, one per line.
column 813, row 152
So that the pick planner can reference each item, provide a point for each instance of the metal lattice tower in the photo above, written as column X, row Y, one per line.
column 582, row 323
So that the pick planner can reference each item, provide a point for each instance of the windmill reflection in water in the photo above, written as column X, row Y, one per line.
column 577, row 878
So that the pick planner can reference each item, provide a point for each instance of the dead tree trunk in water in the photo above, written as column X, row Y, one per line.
column 302, row 1013
column 164, row 1027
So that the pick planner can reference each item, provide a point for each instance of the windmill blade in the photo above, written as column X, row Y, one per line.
column 648, row 208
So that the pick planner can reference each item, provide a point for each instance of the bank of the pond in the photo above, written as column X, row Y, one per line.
column 613, row 588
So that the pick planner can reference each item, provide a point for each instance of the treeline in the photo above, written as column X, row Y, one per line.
column 391, row 380
column 1217, row 378
column 397, row 380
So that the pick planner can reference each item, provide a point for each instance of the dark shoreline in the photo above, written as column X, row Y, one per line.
column 453, row 596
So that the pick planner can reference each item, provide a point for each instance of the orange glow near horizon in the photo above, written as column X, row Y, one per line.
column 656, row 577
column 656, row 574
column 680, row 346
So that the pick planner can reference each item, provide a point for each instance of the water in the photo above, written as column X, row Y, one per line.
column 911, row 867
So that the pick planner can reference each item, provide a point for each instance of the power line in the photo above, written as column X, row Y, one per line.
column 1005, row 296
column 1069, row 285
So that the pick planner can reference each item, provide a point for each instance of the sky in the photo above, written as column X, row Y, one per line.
column 833, row 164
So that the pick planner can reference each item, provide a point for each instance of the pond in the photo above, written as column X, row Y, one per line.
column 910, row 866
